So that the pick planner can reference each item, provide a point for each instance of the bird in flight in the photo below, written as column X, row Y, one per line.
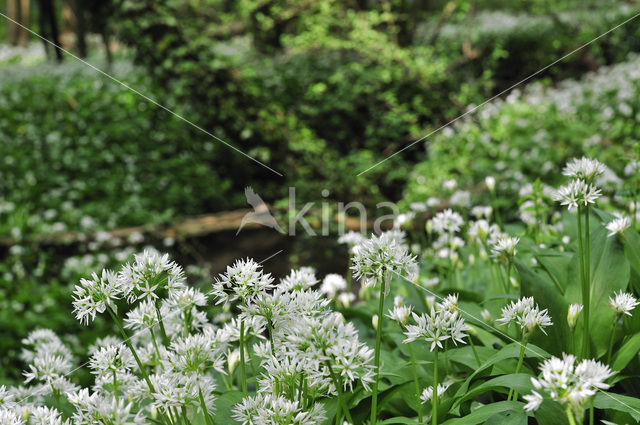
column 260, row 213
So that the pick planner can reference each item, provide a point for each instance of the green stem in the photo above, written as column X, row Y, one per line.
column 143, row 371
column 415, row 380
column 523, row 346
column 155, row 344
column 163, row 334
column 374, row 399
column 115, row 387
column 570, row 416
column 203, row 405
column 591, row 412
column 349, row 272
column 341, row 400
column 475, row 353
column 243, row 372
column 585, row 289
column 508, row 282
column 611, row 339
column 434, row 396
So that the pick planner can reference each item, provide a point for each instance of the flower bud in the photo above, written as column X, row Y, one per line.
column 490, row 181
column 374, row 321
column 233, row 359
column 572, row 315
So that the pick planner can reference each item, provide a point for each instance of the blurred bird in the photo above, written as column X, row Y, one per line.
column 260, row 214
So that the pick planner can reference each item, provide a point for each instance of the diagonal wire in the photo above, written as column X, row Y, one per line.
column 138, row 332
column 142, row 95
column 475, row 108
column 525, row 346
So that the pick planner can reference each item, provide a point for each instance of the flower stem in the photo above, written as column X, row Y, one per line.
column 207, row 417
column 415, row 380
column 374, row 398
column 570, row 416
column 475, row 353
column 611, row 339
column 591, row 411
column 127, row 342
column 115, row 387
column 585, row 289
column 434, row 396
column 163, row 333
column 243, row 372
column 523, row 346
column 341, row 400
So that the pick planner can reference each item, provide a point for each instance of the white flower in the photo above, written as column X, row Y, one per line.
column 504, row 249
column 243, row 281
column 94, row 295
column 400, row 313
column 111, row 359
column 9, row 417
column 447, row 221
column 380, row 256
column 266, row 409
column 576, row 193
column 151, row 275
column 568, row 384
column 525, row 314
column 442, row 323
column 301, row 279
column 572, row 315
column 490, row 182
column 332, row 284
column 623, row 303
column 584, row 168
column 402, row 219
column 427, row 394
column 346, row 298
column 618, row 225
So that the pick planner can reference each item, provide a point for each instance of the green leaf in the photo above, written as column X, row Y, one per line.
column 480, row 415
column 508, row 418
column 224, row 405
column 546, row 295
column 626, row 353
column 621, row 403
column 520, row 382
column 550, row 413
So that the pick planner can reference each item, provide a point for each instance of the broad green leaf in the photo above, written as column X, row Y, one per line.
column 626, row 353
column 399, row 420
column 224, row 405
column 550, row 413
column 516, row 417
column 520, row 382
column 621, row 403
column 483, row 413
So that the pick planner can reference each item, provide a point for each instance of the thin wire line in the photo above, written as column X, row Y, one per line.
column 138, row 332
column 147, row 98
column 517, row 342
column 499, row 94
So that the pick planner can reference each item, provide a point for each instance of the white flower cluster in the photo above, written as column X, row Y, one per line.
column 526, row 314
column 504, row 249
column 441, row 324
column 380, row 256
column 581, row 190
column 572, row 385
column 623, row 303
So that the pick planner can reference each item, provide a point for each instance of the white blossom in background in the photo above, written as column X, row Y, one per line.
column 380, row 256
column 504, row 249
column 427, row 393
column 632, row 168
column 618, row 225
column 526, row 314
column 400, row 312
column 352, row 239
column 301, row 279
column 403, row 219
column 447, row 221
column 569, row 384
column 332, row 284
column 623, row 303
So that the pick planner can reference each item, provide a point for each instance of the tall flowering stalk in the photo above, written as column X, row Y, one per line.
column 443, row 323
column 526, row 314
column 578, row 195
column 244, row 281
column 373, row 264
column 621, row 304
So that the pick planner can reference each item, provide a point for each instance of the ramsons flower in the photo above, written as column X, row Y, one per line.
column 584, row 169
column 243, row 281
column 380, row 256
column 572, row 314
column 447, row 221
column 526, row 314
column 504, row 249
column 618, row 225
column 442, row 323
column 576, row 193
column 94, row 295
column 623, row 303
column 332, row 284
column 151, row 275
column 267, row 409
column 569, row 384
column 427, row 394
